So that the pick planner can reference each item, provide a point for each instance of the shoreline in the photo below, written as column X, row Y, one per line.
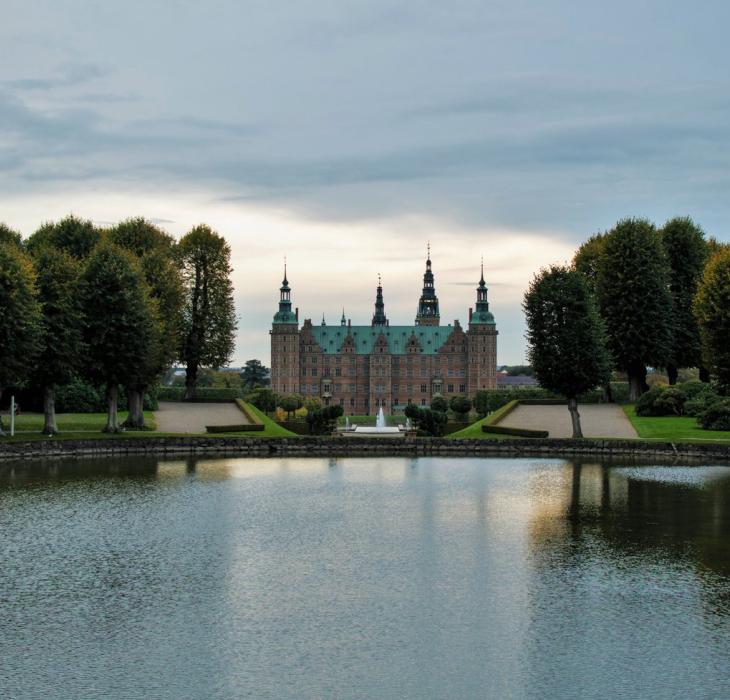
column 351, row 447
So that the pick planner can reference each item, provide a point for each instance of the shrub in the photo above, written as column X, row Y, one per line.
column 694, row 388
column 717, row 416
column 661, row 401
column 439, row 403
column 79, row 396
column 291, row 403
column 700, row 402
column 322, row 420
column 460, row 405
column 264, row 399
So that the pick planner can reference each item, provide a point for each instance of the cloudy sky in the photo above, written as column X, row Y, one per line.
column 346, row 134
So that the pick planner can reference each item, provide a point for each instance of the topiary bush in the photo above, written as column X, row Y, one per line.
column 661, row 401
column 716, row 416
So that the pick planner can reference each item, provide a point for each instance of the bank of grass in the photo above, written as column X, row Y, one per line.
column 673, row 428
column 475, row 429
column 72, row 422
column 271, row 427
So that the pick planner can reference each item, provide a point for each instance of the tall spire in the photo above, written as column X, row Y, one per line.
column 428, row 304
column 481, row 313
column 343, row 320
column 379, row 318
column 285, row 314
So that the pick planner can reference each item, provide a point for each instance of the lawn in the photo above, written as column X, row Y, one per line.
column 70, row 422
column 673, row 428
column 271, row 429
column 475, row 429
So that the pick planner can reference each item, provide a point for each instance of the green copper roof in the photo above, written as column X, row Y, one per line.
column 285, row 316
column 482, row 317
column 431, row 338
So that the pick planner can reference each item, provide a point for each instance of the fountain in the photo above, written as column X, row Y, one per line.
column 380, row 427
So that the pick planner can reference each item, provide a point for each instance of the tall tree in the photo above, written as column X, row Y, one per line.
column 712, row 306
column 8, row 235
column 19, row 316
column 254, row 374
column 566, row 340
column 61, row 338
column 633, row 294
column 153, row 248
column 120, row 322
column 686, row 249
column 209, row 320
column 78, row 237
column 587, row 259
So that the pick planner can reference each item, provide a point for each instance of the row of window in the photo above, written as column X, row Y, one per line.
column 379, row 389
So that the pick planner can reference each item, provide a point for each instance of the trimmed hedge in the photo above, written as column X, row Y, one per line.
column 211, row 394
column 501, row 413
column 517, row 432
column 242, row 428
column 246, row 410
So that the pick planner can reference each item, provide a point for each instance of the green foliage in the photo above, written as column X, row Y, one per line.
column 716, row 416
column 565, row 335
column 79, row 396
column 712, row 307
column 140, row 237
column 587, row 259
column 8, row 235
column 20, row 315
column 661, row 401
column 686, row 251
column 699, row 398
column 208, row 318
column 439, row 403
column 254, row 374
column 633, row 293
column 264, row 399
column 76, row 236
column 322, row 420
column 291, row 403
column 460, row 405
column 237, row 428
column 427, row 421
column 61, row 340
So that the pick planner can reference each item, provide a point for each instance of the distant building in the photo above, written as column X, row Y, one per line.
column 521, row 381
column 366, row 367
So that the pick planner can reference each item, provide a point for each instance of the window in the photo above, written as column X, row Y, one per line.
column 352, row 403
column 424, row 372
column 424, row 388
column 462, row 388
column 338, row 371
column 314, row 371
column 395, row 388
column 450, row 389
column 423, row 402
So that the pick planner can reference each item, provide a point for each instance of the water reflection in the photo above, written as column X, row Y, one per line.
column 373, row 577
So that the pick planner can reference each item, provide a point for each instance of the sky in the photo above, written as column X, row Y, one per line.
column 346, row 134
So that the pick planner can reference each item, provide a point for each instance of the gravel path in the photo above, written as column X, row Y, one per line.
column 176, row 417
column 597, row 420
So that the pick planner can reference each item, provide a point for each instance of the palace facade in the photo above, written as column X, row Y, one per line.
column 363, row 368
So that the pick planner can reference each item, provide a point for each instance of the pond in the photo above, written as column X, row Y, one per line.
column 364, row 578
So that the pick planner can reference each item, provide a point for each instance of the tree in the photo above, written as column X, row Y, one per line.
column 587, row 259
column 633, row 294
column 8, row 235
column 686, row 249
column 566, row 342
column 322, row 419
column 120, row 322
column 75, row 236
column 439, row 403
column 712, row 306
column 19, row 316
column 209, row 321
column 291, row 403
column 153, row 248
column 460, row 405
column 426, row 420
column 264, row 399
column 254, row 374
column 61, row 337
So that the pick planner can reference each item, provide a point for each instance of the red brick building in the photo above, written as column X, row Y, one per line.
column 365, row 367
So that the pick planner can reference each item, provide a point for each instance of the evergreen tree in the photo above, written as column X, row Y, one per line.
column 19, row 316
column 120, row 322
column 686, row 249
column 460, row 405
column 209, row 320
column 8, row 235
column 633, row 294
column 254, row 374
column 76, row 236
column 566, row 342
column 61, row 339
column 712, row 306
column 153, row 248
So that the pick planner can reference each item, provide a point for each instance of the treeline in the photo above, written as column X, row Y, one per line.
column 633, row 297
column 112, row 306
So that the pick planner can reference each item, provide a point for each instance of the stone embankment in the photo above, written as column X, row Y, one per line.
column 353, row 447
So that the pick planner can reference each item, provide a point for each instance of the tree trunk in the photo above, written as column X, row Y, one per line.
column 135, row 406
column 704, row 375
column 191, row 379
column 637, row 382
column 2, row 432
column 112, row 420
column 49, row 410
column 575, row 417
column 607, row 393
column 672, row 374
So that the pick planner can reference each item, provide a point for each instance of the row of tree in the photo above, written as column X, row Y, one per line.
column 634, row 297
column 115, row 306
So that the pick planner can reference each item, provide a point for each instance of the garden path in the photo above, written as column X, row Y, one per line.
column 178, row 417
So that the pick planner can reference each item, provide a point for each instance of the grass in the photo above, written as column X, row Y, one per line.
column 271, row 427
column 71, row 422
column 475, row 429
column 673, row 428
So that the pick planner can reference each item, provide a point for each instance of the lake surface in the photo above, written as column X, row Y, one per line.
column 363, row 578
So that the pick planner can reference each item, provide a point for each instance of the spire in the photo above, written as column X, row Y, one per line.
column 286, row 281
column 481, row 313
column 324, row 323
column 428, row 304
column 481, row 279
column 379, row 318
column 284, row 314
column 343, row 320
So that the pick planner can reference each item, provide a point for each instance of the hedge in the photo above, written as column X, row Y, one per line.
column 211, row 394
column 246, row 410
column 517, row 432
column 241, row 428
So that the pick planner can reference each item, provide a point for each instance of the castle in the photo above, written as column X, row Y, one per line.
column 364, row 368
